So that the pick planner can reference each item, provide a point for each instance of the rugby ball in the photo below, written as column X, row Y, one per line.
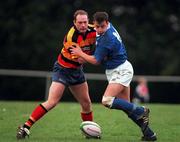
column 90, row 129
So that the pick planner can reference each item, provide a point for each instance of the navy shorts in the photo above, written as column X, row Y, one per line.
column 68, row 76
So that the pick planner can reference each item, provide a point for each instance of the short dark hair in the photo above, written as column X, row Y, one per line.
column 100, row 17
column 79, row 12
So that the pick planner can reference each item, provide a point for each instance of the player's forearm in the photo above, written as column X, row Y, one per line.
column 89, row 58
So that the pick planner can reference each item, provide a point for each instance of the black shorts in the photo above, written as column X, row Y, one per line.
column 68, row 76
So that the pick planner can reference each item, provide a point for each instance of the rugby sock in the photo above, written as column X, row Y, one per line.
column 127, row 107
column 38, row 112
column 87, row 116
column 134, row 119
column 133, row 111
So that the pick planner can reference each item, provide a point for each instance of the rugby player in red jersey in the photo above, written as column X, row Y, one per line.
column 68, row 71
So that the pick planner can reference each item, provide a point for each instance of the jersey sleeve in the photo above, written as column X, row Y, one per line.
column 100, row 53
column 102, row 50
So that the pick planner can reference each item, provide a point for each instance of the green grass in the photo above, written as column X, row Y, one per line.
column 62, row 123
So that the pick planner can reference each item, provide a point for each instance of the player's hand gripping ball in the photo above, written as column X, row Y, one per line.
column 90, row 129
column 68, row 45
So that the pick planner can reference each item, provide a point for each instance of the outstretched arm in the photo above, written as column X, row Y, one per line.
column 89, row 58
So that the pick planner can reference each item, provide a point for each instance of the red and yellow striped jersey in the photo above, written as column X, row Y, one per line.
column 85, row 41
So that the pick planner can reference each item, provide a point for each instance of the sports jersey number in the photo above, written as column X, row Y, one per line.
column 117, row 36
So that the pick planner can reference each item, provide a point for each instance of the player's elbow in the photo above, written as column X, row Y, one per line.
column 96, row 63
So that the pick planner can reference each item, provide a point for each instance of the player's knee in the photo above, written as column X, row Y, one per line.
column 107, row 101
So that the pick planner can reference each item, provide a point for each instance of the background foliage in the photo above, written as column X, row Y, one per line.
column 32, row 31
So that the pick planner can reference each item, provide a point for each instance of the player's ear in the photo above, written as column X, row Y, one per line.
column 74, row 21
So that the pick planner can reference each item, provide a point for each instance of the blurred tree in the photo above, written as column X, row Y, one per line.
column 32, row 31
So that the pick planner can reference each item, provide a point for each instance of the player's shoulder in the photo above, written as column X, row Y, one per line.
column 91, row 27
column 72, row 30
column 109, row 35
column 71, row 35
column 108, row 38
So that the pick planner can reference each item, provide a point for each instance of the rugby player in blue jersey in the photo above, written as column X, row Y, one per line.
column 110, row 51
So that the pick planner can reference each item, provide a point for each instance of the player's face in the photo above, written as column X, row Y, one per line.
column 81, row 23
column 101, row 27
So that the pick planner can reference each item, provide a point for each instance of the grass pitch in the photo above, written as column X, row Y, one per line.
column 62, row 123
